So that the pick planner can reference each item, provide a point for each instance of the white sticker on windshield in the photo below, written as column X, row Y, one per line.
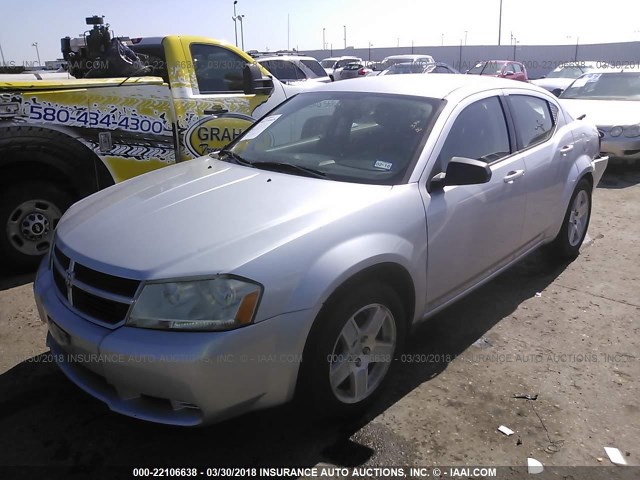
column 383, row 165
column 261, row 127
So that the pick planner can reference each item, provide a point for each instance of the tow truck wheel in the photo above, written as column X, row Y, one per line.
column 29, row 213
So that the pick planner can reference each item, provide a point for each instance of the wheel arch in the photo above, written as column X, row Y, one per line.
column 41, row 153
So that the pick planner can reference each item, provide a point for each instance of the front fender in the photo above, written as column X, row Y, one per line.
column 347, row 259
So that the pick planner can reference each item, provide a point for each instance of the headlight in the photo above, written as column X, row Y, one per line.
column 632, row 131
column 615, row 131
column 220, row 303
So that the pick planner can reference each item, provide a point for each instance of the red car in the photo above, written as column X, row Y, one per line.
column 502, row 69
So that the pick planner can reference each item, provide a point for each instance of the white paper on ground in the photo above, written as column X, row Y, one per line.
column 506, row 430
column 615, row 455
column 534, row 466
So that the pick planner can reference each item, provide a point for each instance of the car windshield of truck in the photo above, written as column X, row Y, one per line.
column 315, row 67
column 345, row 136
column 605, row 86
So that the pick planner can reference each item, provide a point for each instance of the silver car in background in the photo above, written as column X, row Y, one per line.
column 297, row 260
column 294, row 69
column 610, row 100
column 564, row 74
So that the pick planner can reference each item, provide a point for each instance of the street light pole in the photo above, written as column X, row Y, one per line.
column 35, row 44
column 235, row 24
column 241, row 17
column 2, row 55
column 500, row 24
column 324, row 42
column 465, row 37
column 442, row 39
column 345, row 36
column 370, row 45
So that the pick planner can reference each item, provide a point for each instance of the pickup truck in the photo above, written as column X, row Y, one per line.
column 61, row 140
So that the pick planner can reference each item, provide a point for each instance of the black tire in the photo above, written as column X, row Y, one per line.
column 34, row 207
column 562, row 247
column 314, row 384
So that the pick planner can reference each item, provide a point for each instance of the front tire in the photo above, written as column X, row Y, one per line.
column 351, row 349
column 575, row 223
column 29, row 213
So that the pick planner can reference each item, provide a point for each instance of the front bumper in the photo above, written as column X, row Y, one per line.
column 620, row 148
column 178, row 378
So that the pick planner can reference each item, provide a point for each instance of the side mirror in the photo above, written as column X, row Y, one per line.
column 462, row 171
column 508, row 74
column 254, row 82
column 543, row 76
column 557, row 91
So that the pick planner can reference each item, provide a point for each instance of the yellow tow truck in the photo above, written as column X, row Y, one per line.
column 135, row 105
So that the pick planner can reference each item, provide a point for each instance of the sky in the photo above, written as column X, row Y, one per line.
column 384, row 23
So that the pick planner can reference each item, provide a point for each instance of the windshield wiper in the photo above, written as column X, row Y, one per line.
column 237, row 158
column 289, row 167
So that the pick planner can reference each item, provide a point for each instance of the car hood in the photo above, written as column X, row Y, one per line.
column 604, row 112
column 203, row 216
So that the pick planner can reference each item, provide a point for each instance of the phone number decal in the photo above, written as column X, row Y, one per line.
column 83, row 117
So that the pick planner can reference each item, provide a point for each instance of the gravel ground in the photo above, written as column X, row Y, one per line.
column 568, row 334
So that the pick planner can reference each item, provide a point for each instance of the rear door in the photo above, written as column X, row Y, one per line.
column 473, row 230
column 546, row 144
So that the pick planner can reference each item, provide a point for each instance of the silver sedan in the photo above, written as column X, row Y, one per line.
column 297, row 260
column 611, row 100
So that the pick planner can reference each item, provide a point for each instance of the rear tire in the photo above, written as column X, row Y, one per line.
column 566, row 246
column 351, row 349
column 29, row 214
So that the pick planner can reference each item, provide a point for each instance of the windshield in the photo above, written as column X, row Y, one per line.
column 400, row 68
column 605, row 86
column 315, row 67
column 345, row 62
column 487, row 68
column 567, row 72
column 346, row 136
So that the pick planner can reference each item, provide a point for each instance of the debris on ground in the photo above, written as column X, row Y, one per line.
column 526, row 396
column 506, row 430
column 534, row 466
column 615, row 456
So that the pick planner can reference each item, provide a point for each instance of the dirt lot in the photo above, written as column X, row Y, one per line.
column 569, row 334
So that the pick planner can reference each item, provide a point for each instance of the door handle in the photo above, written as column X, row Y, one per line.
column 566, row 149
column 513, row 175
column 215, row 110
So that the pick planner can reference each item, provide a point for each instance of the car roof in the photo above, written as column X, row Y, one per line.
column 432, row 86
column 285, row 57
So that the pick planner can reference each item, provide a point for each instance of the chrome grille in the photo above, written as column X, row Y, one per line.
column 97, row 296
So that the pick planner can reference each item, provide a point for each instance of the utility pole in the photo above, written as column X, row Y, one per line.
column 35, row 44
column 2, row 55
column 241, row 17
column 500, row 24
column 235, row 24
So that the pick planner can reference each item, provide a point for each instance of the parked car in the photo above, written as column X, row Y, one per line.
column 610, row 100
column 404, row 68
column 562, row 76
column 352, row 70
column 501, row 69
column 417, row 59
column 299, row 258
column 332, row 63
column 294, row 69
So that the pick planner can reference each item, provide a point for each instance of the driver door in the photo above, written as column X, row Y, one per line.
column 473, row 230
